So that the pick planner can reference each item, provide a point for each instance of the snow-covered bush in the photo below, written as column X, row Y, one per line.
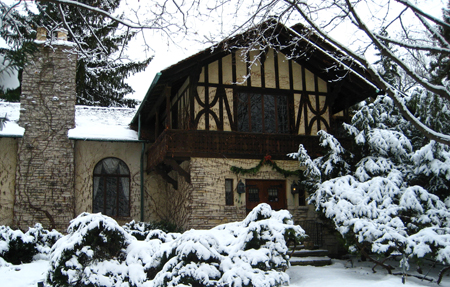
column 98, row 252
column 252, row 252
column 140, row 230
column 44, row 240
column 386, row 195
column 91, row 253
column 17, row 247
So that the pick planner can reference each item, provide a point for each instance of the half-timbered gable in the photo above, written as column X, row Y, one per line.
column 258, row 93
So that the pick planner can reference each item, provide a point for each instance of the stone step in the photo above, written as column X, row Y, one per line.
column 310, row 260
column 309, row 253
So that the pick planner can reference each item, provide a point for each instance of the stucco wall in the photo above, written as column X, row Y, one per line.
column 8, row 164
column 167, row 204
column 88, row 154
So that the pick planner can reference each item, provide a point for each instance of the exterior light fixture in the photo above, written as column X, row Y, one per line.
column 240, row 187
column 294, row 188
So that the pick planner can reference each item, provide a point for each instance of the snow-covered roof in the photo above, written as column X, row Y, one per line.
column 10, row 128
column 100, row 123
column 91, row 123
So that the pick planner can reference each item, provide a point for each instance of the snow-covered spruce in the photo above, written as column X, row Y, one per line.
column 248, row 253
column 17, row 247
column 388, row 194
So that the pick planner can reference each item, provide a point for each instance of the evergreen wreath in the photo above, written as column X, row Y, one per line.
column 267, row 160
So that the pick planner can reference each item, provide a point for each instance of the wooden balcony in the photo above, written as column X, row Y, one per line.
column 183, row 144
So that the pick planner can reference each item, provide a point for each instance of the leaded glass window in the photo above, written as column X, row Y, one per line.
column 112, row 188
column 260, row 113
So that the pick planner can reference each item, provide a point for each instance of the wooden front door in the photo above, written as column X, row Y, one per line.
column 272, row 192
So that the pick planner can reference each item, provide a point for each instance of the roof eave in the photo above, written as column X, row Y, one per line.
column 141, row 106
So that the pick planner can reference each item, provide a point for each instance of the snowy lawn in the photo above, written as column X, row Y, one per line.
column 341, row 274
column 301, row 276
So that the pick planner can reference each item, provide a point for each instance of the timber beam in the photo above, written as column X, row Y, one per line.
column 161, row 171
column 179, row 169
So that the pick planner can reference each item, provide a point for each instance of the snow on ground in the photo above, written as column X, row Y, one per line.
column 340, row 274
column 23, row 275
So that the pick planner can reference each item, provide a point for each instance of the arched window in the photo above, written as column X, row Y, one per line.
column 111, row 188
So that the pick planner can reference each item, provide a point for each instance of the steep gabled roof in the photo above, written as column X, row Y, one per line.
column 350, row 82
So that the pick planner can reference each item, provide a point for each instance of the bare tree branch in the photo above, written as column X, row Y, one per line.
column 411, row 46
column 100, row 12
column 421, row 12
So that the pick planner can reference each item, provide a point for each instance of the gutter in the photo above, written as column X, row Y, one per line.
column 141, row 168
column 11, row 136
column 105, row 140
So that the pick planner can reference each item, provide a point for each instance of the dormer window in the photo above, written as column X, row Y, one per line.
column 262, row 113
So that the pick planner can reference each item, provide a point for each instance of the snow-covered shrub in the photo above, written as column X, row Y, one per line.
column 44, row 240
column 91, row 253
column 252, row 252
column 140, row 230
column 98, row 252
column 17, row 247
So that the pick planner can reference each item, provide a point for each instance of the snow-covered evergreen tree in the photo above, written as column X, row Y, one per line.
column 388, row 194
column 440, row 64
column 102, row 63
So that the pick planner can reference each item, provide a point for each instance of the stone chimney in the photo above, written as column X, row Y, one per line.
column 41, row 34
column 62, row 34
column 45, row 170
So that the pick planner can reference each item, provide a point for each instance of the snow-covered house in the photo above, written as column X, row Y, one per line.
column 208, row 143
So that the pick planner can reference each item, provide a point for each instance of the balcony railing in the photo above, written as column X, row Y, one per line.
column 183, row 144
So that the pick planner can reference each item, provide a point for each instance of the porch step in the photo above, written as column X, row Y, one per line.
column 305, row 257
column 312, row 260
column 309, row 253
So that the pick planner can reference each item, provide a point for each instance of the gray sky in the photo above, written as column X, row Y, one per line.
column 200, row 29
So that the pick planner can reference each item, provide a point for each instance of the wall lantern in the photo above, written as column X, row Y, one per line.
column 294, row 188
column 240, row 187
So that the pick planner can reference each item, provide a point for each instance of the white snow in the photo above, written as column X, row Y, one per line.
column 91, row 123
column 100, row 123
column 11, row 112
column 340, row 273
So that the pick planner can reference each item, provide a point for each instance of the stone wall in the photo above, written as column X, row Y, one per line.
column 44, row 177
column 201, row 204
column 8, row 164
column 88, row 154
column 208, row 196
